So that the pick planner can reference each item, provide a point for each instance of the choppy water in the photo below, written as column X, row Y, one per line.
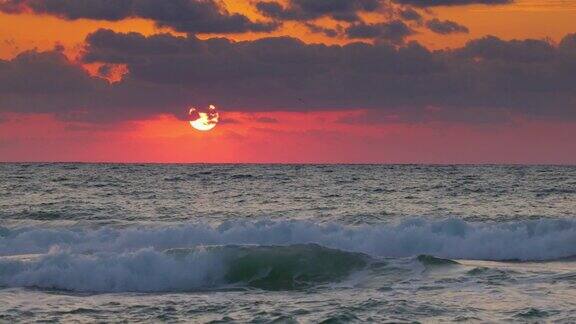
column 286, row 244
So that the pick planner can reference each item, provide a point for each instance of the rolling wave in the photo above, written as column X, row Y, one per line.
column 175, row 270
column 265, row 255
column 544, row 239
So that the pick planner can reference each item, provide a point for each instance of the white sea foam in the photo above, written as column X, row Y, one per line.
column 145, row 270
column 148, row 270
column 135, row 259
column 525, row 240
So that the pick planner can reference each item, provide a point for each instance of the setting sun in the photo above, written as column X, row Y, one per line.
column 204, row 121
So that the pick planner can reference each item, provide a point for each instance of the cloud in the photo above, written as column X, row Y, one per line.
column 434, row 3
column 42, row 73
column 193, row 16
column 301, row 10
column 487, row 79
column 47, row 82
column 527, row 52
column 446, row 27
column 394, row 31
column 410, row 14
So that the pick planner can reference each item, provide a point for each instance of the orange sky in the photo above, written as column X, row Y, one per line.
column 537, row 19
column 291, row 137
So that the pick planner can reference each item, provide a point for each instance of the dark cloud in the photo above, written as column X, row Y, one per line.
column 344, row 10
column 446, row 27
column 193, row 16
column 47, row 82
column 434, row 3
column 73, row 9
column 410, row 14
column 394, row 31
column 529, row 51
column 487, row 79
column 105, row 70
column 42, row 73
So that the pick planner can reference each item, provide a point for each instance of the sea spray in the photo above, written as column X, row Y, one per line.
column 204, row 267
column 545, row 239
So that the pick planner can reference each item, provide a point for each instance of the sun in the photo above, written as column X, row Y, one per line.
column 204, row 120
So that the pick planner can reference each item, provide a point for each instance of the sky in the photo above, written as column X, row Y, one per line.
column 295, row 81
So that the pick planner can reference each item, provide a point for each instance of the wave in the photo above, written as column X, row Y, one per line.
column 147, row 270
column 544, row 239
column 429, row 260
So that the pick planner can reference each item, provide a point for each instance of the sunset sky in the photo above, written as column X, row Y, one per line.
column 295, row 81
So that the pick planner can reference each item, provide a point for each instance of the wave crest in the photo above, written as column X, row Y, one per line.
column 454, row 239
column 265, row 267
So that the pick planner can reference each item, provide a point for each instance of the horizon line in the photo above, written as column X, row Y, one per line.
column 302, row 163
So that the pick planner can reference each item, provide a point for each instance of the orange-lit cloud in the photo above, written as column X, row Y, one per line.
column 521, row 19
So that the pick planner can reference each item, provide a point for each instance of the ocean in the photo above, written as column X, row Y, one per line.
column 209, row 243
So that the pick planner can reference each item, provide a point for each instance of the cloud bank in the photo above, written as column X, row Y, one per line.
column 436, row 3
column 343, row 10
column 487, row 77
column 191, row 16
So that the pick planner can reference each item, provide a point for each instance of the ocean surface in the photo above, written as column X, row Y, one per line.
column 287, row 243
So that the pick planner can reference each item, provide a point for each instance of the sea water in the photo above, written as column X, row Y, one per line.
column 287, row 243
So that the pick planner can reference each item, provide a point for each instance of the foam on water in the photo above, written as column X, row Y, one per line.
column 456, row 239
column 176, row 258
column 146, row 270
column 266, row 254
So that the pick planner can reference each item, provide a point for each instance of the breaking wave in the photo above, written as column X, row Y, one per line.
column 264, row 267
column 545, row 239
column 266, row 255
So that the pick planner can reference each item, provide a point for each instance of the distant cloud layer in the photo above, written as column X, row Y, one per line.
column 193, row 16
column 344, row 10
column 434, row 3
column 394, row 31
column 398, row 19
column 445, row 27
column 488, row 78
